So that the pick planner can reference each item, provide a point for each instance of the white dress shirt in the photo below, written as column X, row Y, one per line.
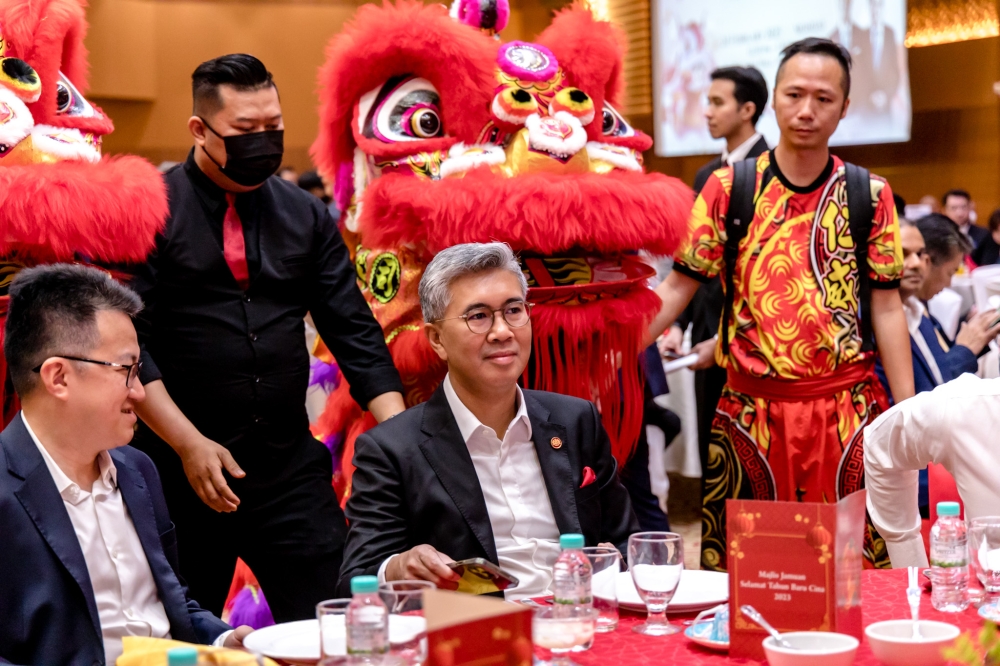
column 524, row 527
column 740, row 152
column 954, row 425
column 914, row 310
column 124, row 589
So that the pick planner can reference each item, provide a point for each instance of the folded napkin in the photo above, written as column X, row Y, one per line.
column 145, row 651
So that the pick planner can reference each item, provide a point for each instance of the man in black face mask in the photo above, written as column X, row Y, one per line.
column 244, row 256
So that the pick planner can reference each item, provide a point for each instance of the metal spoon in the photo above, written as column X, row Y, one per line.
column 752, row 613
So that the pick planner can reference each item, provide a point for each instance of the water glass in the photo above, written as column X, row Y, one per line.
column 407, row 626
column 656, row 560
column 332, row 616
column 555, row 633
column 606, row 563
column 984, row 552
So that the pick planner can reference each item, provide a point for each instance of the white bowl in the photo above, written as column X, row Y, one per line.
column 812, row 648
column 892, row 642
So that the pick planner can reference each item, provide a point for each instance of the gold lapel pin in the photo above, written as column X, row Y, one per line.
column 556, row 443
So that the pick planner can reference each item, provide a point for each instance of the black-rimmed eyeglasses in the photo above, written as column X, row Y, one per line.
column 132, row 368
column 480, row 320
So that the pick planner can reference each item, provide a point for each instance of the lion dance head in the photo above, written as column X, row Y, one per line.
column 60, row 200
column 438, row 134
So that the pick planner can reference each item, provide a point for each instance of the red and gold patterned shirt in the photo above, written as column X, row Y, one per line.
column 795, row 310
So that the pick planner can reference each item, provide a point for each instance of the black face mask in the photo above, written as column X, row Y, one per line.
column 251, row 158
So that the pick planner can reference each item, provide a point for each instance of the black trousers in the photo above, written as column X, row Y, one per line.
column 635, row 472
column 290, row 533
column 708, row 385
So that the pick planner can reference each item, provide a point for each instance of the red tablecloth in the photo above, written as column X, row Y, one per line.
column 883, row 597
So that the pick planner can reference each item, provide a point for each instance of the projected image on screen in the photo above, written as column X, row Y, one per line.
column 693, row 38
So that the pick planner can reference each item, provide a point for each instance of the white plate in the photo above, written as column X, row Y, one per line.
column 299, row 641
column 697, row 591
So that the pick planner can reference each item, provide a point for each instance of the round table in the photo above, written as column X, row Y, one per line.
column 883, row 597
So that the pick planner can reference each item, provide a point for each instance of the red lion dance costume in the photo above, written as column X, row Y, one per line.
column 437, row 135
column 59, row 200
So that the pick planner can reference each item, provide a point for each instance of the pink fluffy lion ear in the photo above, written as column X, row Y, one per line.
column 488, row 15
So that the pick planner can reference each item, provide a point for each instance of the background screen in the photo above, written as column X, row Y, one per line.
column 693, row 37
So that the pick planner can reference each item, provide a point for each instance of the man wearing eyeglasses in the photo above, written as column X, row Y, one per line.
column 89, row 553
column 925, row 261
column 483, row 469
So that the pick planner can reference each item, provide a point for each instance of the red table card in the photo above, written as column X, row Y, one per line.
column 799, row 564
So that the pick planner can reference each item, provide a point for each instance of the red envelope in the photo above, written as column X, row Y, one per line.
column 588, row 477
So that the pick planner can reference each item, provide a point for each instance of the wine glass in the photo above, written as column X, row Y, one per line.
column 555, row 633
column 656, row 560
column 984, row 551
column 407, row 626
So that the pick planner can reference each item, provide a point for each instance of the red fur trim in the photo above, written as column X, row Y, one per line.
column 48, row 35
column 598, row 359
column 109, row 211
column 420, row 367
column 591, row 54
column 543, row 213
column 391, row 40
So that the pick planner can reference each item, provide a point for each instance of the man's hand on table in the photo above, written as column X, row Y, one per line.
column 203, row 462
column 423, row 562
column 234, row 641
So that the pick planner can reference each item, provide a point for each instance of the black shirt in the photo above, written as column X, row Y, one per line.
column 236, row 362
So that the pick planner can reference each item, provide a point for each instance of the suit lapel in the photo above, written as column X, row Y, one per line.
column 557, row 468
column 448, row 456
column 43, row 504
column 135, row 495
column 758, row 148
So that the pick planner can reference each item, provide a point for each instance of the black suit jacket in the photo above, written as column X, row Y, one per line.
column 705, row 309
column 48, row 614
column 978, row 235
column 415, row 483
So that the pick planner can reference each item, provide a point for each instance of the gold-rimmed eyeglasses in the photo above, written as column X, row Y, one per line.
column 132, row 368
column 480, row 320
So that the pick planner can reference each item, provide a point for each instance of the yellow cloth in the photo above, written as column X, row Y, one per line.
column 145, row 651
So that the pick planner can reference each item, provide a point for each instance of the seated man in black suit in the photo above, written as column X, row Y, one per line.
column 483, row 468
column 88, row 554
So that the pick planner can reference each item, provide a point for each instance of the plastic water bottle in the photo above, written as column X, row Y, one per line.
column 571, row 575
column 949, row 560
column 367, row 622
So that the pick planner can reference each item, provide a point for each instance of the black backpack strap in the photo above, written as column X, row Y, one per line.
column 860, row 211
column 738, row 218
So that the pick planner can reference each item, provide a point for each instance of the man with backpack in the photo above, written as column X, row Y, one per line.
column 805, row 305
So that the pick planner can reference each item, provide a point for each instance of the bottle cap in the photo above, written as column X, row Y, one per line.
column 947, row 508
column 364, row 584
column 182, row 656
column 571, row 541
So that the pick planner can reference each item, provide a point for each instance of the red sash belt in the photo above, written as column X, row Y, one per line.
column 802, row 390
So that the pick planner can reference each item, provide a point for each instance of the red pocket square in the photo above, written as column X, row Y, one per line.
column 588, row 477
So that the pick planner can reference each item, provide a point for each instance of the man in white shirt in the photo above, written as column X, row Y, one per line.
column 736, row 100
column 954, row 425
column 89, row 552
column 483, row 468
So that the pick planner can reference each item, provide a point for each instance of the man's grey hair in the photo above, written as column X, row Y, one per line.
column 458, row 261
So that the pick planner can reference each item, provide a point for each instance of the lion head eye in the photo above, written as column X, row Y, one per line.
column 69, row 101
column 404, row 108
column 612, row 124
